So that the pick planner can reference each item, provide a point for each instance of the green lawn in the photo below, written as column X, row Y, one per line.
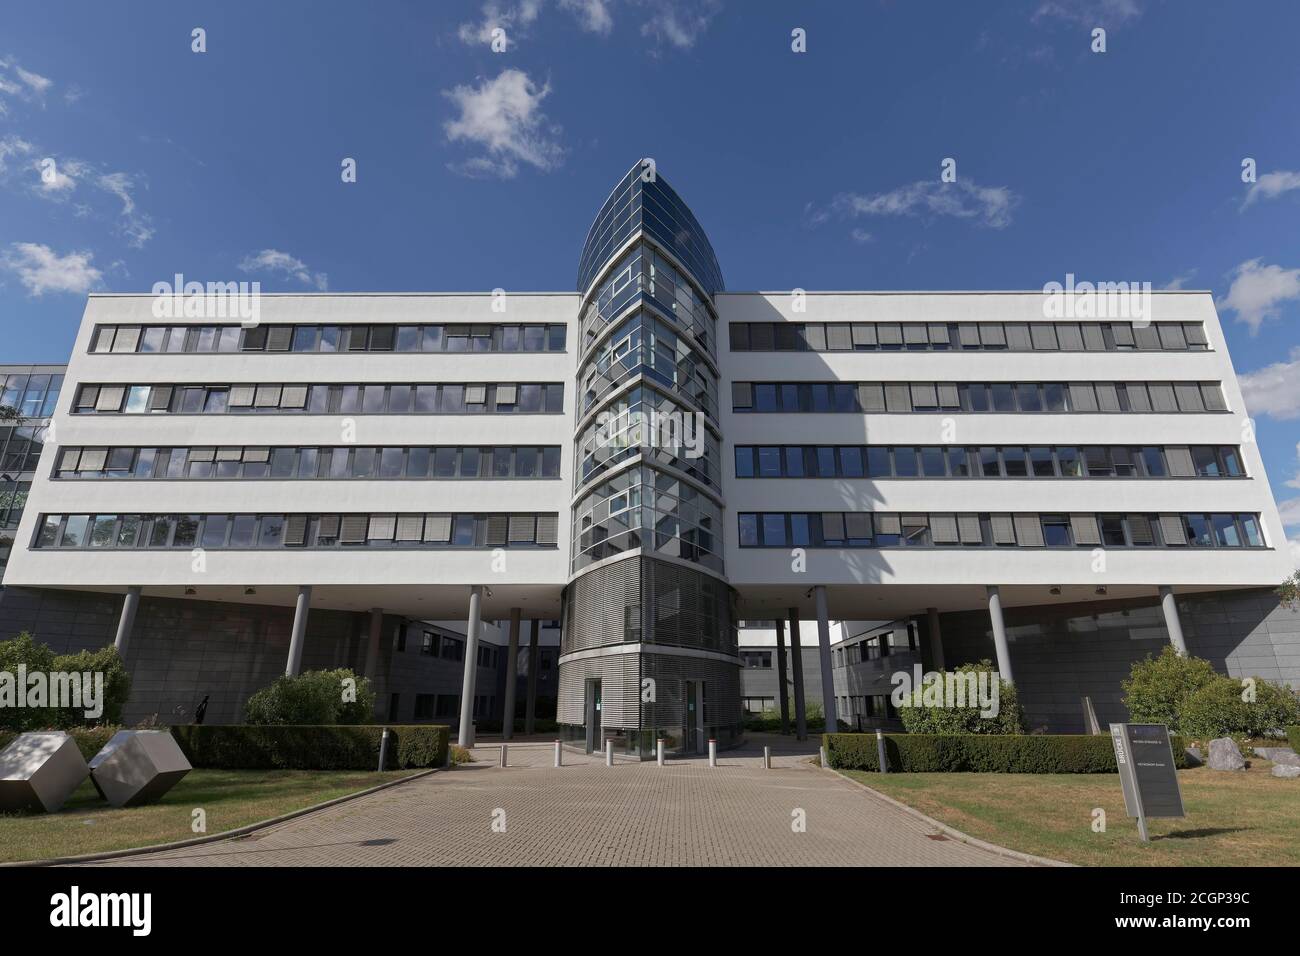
column 1249, row 818
column 230, row 798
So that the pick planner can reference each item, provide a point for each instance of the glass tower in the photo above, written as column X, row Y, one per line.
column 649, row 639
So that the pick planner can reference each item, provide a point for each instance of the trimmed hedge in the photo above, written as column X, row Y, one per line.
column 1293, row 737
column 90, row 740
column 981, row 753
column 311, row 747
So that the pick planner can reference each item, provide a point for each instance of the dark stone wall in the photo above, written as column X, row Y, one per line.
column 182, row 650
column 1060, row 653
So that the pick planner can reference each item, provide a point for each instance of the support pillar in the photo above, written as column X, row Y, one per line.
column 796, row 663
column 999, row 634
column 298, row 636
column 372, row 649
column 465, row 737
column 934, row 638
column 781, row 693
column 530, row 705
column 824, row 652
column 126, row 623
column 1172, row 623
column 512, row 676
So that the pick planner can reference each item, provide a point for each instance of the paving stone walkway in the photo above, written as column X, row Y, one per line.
column 587, row 814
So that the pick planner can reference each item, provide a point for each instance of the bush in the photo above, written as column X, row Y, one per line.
column 286, row 747
column 90, row 740
column 1217, row 710
column 313, row 698
column 981, row 753
column 1293, row 738
column 920, row 718
column 1158, row 687
column 37, row 657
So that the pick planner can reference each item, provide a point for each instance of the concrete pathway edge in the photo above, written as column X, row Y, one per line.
column 952, row 831
column 214, row 837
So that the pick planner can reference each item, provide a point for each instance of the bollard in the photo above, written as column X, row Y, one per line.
column 767, row 758
column 881, row 757
column 821, row 757
column 713, row 752
column 446, row 761
column 609, row 753
column 559, row 751
column 503, row 755
column 383, row 750
column 659, row 751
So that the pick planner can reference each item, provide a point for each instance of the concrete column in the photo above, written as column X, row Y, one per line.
column 530, row 705
column 796, row 663
column 298, row 636
column 935, row 639
column 512, row 676
column 780, row 676
column 824, row 651
column 1172, row 623
column 372, row 649
column 999, row 634
column 466, row 735
column 126, row 623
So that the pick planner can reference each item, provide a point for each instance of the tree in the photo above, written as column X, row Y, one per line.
column 1157, row 687
column 920, row 715
column 1289, row 591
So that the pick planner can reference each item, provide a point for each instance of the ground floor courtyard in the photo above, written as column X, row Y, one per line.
column 634, row 813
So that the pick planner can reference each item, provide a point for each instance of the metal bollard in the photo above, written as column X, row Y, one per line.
column 821, row 757
column 503, row 755
column 881, row 757
column 383, row 750
column 713, row 752
column 659, row 751
column 767, row 758
column 609, row 753
column 559, row 755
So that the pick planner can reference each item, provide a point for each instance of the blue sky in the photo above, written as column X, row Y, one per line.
column 478, row 169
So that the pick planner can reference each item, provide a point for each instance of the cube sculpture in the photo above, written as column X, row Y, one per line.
column 39, row 771
column 137, row 766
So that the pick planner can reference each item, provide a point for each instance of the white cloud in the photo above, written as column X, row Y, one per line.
column 13, row 146
column 860, row 235
column 593, row 15
column 680, row 23
column 273, row 260
column 21, row 84
column 1179, row 282
column 41, row 269
column 1289, row 511
column 1257, row 290
column 1274, row 390
column 1295, row 482
column 63, row 178
column 137, row 226
column 1295, row 550
column 1272, row 185
column 1090, row 13
column 987, row 205
column 504, row 116
column 514, row 18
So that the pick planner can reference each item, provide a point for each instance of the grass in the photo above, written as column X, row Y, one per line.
column 1248, row 818
column 230, row 799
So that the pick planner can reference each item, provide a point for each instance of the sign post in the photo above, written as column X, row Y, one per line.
column 1147, row 772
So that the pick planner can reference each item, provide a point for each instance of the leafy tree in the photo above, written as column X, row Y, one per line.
column 314, row 697
column 38, row 657
column 1219, row 710
column 920, row 718
column 1289, row 591
column 1157, row 687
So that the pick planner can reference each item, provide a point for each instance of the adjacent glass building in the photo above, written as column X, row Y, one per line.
column 649, row 636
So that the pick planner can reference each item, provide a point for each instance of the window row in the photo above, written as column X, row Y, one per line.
column 31, row 395
column 862, row 529
column 329, row 338
column 988, row 461
column 892, row 397
column 967, row 336
column 876, row 647
column 288, row 462
column 270, row 531
column 370, row 399
column 20, row 448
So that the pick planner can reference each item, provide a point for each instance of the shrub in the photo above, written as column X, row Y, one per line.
column 37, row 657
column 90, row 740
column 1293, row 737
column 981, row 753
column 330, row 747
column 920, row 718
column 460, row 754
column 312, row 698
column 1217, row 710
column 1158, row 687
